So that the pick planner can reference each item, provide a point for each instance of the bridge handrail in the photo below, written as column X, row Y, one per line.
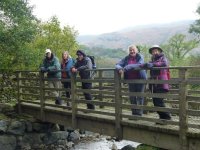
column 119, row 93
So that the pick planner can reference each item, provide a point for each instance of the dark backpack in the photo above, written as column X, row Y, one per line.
column 92, row 58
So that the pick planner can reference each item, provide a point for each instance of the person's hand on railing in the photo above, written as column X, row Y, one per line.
column 121, row 71
column 147, row 65
column 74, row 70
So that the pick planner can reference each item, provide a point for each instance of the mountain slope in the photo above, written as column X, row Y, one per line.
column 148, row 35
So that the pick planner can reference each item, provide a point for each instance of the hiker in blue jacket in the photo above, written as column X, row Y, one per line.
column 66, row 65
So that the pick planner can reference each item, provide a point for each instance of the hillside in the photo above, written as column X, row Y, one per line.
column 148, row 35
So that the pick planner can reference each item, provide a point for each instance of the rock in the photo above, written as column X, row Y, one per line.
column 69, row 144
column 70, row 130
column 74, row 136
column 36, row 146
column 114, row 147
column 3, row 126
column 26, row 147
column 32, row 138
column 29, row 127
column 19, row 141
column 8, row 142
column 55, row 137
column 82, row 131
column 108, row 138
column 61, row 147
column 17, row 128
column 97, row 135
column 61, row 142
column 41, row 146
column 41, row 127
column 128, row 147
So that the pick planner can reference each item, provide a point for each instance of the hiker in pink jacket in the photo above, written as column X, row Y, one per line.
column 159, row 60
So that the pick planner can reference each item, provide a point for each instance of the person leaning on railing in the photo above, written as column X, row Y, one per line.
column 51, row 65
column 66, row 65
column 127, row 65
column 159, row 60
column 82, row 64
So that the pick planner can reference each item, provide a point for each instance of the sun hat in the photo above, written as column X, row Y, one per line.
column 155, row 47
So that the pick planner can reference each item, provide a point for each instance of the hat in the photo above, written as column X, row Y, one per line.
column 48, row 51
column 155, row 47
column 80, row 52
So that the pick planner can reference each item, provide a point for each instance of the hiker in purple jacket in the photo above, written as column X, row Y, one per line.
column 129, row 65
column 159, row 60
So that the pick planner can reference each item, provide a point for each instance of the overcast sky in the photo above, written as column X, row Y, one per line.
column 102, row 16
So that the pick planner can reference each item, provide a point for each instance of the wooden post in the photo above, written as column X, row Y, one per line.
column 183, row 108
column 100, row 88
column 19, row 91
column 74, row 104
column 42, row 101
column 118, row 103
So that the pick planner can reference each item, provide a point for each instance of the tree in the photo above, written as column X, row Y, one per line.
column 144, row 50
column 52, row 36
column 195, row 28
column 178, row 48
column 17, row 27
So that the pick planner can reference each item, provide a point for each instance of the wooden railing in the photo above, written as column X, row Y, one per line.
column 111, row 95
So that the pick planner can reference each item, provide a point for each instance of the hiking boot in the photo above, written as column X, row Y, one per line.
column 58, row 101
column 132, row 119
column 160, row 123
column 90, row 106
column 69, row 107
column 68, row 104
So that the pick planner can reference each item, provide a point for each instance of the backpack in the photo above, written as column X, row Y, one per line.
column 92, row 58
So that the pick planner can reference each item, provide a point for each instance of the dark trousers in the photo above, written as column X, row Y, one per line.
column 67, row 85
column 136, row 99
column 160, row 103
column 88, row 96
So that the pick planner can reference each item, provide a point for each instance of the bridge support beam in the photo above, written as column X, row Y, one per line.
column 183, row 114
column 42, row 103
column 74, row 104
column 118, row 103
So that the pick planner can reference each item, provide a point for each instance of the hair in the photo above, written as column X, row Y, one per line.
column 132, row 46
column 66, row 53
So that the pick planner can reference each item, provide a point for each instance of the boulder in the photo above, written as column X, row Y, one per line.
column 16, row 128
column 128, row 147
column 7, row 142
column 3, row 126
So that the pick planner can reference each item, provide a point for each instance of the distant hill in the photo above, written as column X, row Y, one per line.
column 148, row 35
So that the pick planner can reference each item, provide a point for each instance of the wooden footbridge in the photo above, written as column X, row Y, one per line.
column 112, row 115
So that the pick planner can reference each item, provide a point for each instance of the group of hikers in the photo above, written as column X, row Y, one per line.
column 131, row 66
column 68, row 65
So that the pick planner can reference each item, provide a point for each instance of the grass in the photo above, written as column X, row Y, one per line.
column 147, row 147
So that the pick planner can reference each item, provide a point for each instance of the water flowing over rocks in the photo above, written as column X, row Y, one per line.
column 22, row 132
